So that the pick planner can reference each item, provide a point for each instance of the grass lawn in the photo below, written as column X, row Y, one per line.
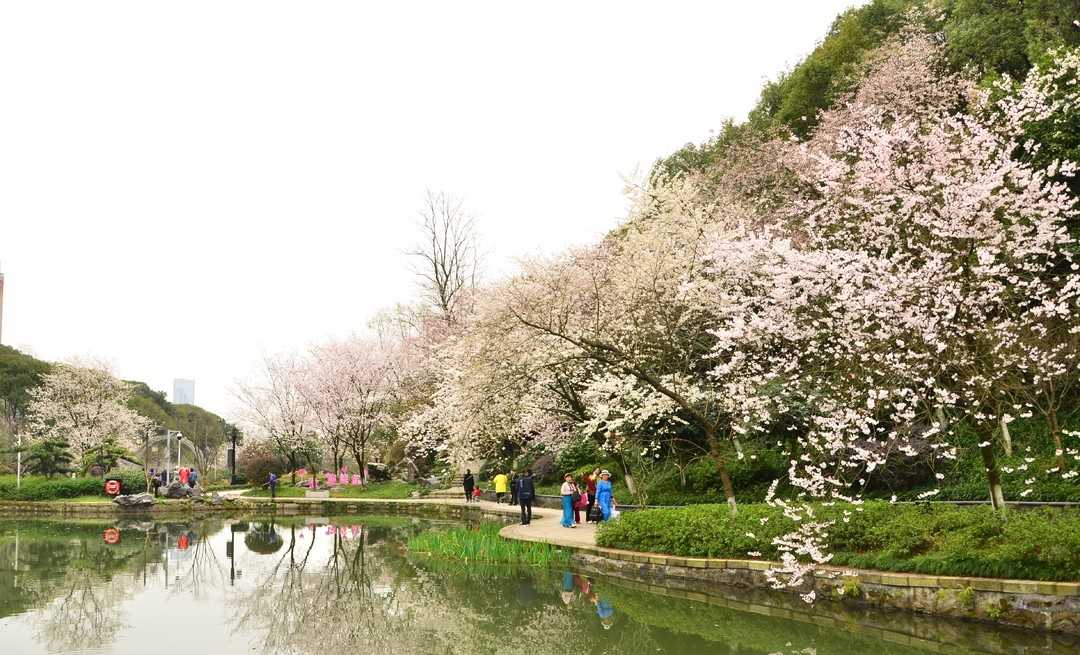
column 932, row 539
column 282, row 492
column 389, row 489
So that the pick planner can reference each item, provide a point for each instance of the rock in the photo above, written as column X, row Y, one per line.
column 208, row 499
column 176, row 490
column 135, row 500
column 415, row 494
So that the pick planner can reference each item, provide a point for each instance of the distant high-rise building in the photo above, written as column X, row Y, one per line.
column 183, row 392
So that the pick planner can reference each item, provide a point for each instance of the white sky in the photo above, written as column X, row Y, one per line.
column 185, row 185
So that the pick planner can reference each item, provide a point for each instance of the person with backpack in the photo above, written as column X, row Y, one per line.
column 271, row 481
column 526, row 493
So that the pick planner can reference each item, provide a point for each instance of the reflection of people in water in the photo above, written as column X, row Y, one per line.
column 567, row 588
column 604, row 609
column 584, row 586
column 606, row 613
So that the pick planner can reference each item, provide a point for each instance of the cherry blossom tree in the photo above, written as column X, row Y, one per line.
column 275, row 407
column 86, row 406
column 917, row 262
column 347, row 386
column 627, row 306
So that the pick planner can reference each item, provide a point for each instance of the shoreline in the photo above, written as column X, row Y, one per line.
column 1037, row 606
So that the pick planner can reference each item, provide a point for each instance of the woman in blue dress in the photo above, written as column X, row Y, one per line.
column 567, row 491
column 604, row 497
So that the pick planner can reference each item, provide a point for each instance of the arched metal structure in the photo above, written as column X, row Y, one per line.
column 168, row 438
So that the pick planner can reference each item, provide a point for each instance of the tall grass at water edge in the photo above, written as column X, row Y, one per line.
column 484, row 545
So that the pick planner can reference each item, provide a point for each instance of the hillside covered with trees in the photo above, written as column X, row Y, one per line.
column 73, row 416
column 867, row 289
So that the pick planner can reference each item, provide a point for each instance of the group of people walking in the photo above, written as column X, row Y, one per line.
column 593, row 495
column 188, row 477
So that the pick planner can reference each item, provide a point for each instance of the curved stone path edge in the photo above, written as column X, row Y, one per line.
column 1032, row 604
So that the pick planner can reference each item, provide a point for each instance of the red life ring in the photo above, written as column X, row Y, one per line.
column 111, row 536
column 112, row 487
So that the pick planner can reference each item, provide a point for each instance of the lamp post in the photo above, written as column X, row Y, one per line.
column 168, row 453
column 232, row 455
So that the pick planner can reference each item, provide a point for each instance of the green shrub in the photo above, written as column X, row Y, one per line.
column 132, row 481
column 41, row 488
column 582, row 454
column 938, row 539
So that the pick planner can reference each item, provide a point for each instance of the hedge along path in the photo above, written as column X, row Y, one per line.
column 580, row 545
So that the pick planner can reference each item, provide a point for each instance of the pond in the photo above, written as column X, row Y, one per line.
column 347, row 585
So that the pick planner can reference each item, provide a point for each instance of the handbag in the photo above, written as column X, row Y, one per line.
column 575, row 499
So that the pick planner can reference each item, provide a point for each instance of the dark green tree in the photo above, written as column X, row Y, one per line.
column 48, row 458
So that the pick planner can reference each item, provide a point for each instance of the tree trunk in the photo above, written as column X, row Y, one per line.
column 146, row 463
column 993, row 476
column 1055, row 433
column 721, row 469
column 939, row 415
column 1006, row 438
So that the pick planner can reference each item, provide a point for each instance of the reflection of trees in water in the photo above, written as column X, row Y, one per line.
column 325, row 593
column 311, row 599
column 264, row 539
column 322, row 591
column 80, row 582
column 87, row 614
column 68, row 570
column 202, row 569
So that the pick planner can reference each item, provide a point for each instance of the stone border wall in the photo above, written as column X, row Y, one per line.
column 922, row 631
column 1044, row 606
column 285, row 507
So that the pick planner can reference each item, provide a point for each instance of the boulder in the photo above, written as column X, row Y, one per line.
column 135, row 500
column 211, row 499
column 176, row 490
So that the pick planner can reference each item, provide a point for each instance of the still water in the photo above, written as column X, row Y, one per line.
column 348, row 585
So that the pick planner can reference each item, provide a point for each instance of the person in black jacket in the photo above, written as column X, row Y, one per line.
column 513, row 487
column 468, row 482
column 526, row 491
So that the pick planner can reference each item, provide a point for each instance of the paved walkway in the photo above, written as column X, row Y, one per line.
column 544, row 527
